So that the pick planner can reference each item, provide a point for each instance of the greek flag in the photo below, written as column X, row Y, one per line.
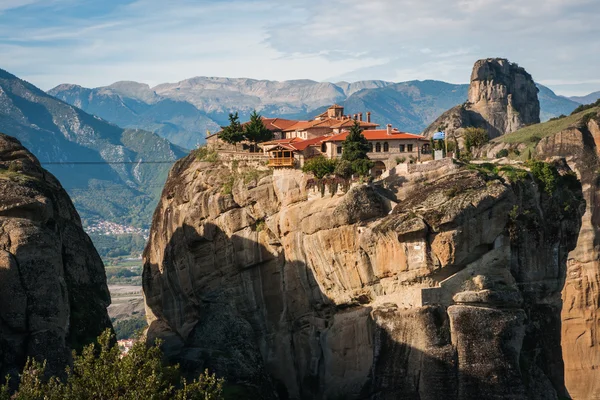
column 439, row 136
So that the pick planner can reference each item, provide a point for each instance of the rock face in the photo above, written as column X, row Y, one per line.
column 502, row 98
column 581, row 294
column 53, row 293
column 426, row 288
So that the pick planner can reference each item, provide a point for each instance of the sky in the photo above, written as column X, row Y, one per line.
column 95, row 43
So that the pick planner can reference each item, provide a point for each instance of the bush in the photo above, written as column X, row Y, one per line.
column 129, row 328
column 205, row 153
column 227, row 187
column 545, row 174
column 475, row 137
column 344, row 169
column 101, row 372
column 502, row 153
column 400, row 160
column 320, row 166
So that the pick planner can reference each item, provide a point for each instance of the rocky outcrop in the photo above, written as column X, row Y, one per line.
column 426, row 287
column 502, row 98
column 579, row 144
column 53, row 293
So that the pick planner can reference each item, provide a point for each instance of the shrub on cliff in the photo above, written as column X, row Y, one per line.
column 100, row 372
column 320, row 166
column 545, row 174
column 475, row 137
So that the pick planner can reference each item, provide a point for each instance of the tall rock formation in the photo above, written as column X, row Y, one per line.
column 576, row 139
column 579, row 145
column 53, row 293
column 294, row 295
column 502, row 98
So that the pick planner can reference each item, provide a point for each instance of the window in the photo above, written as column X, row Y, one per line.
column 386, row 147
column 339, row 149
column 323, row 148
column 370, row 147
column 378, row 147
column 402, row 148
column 409, row 147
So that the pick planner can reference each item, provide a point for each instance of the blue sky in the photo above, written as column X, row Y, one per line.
column 95, row 43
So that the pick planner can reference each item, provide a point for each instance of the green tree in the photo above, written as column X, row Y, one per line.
column 256, row 131
column 356, row 146
column 320, row 166
column 233, row 133
column 475, row 137
column 100, row 372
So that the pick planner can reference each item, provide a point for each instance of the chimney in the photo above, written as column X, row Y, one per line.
column 368, row 116
column 389, row 129
column 355, row 117
column 360, row 116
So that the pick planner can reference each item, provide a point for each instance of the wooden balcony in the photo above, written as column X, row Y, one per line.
column 281, row 162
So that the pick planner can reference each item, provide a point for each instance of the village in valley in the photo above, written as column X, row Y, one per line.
column 292, row 143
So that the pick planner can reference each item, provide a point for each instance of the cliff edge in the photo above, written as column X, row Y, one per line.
column 576, row 139
column 439, row 283
column 53, row 293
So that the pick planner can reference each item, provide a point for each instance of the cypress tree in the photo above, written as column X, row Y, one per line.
column 256, row 131
column 356, row 146
column 233, row 133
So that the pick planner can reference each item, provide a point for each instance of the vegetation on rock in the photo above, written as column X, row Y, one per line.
column 475, row 137
column 320, row 166
column 204, row 153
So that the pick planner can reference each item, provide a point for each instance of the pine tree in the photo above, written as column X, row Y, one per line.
column 356, row 146
column 233, row 133
column 256, row 131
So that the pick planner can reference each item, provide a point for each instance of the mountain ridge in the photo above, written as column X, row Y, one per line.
column 91, row 157
column 203, row 103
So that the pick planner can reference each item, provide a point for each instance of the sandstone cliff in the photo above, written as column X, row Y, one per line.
column 502, row 98
column 577, row 139
column 53, row 293
column 441, row 284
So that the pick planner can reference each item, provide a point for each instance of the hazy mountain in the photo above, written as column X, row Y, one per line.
column 56, row 132
column 135, row 105
column 411, row 106
column 183, row 111
column 552, row 105
column 589, row 99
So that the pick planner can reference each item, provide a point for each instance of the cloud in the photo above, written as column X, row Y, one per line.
column 152, row 41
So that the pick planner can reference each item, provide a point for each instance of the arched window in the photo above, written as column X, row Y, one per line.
column 371, row 147
column 386, row 147
column 378, row 147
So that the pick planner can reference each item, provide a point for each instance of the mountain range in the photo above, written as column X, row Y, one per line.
column 182, row 112
column 589, row 99
column 102, row 166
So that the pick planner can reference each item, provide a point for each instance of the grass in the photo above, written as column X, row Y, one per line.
column 534, row 133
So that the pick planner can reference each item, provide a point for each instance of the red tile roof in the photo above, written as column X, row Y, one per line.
column 378, row 134
column 350, row 123
column 283, row 141
column 278, row 124
column 310, row 142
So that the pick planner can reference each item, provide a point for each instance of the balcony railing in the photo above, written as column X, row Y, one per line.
column 281, row 162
